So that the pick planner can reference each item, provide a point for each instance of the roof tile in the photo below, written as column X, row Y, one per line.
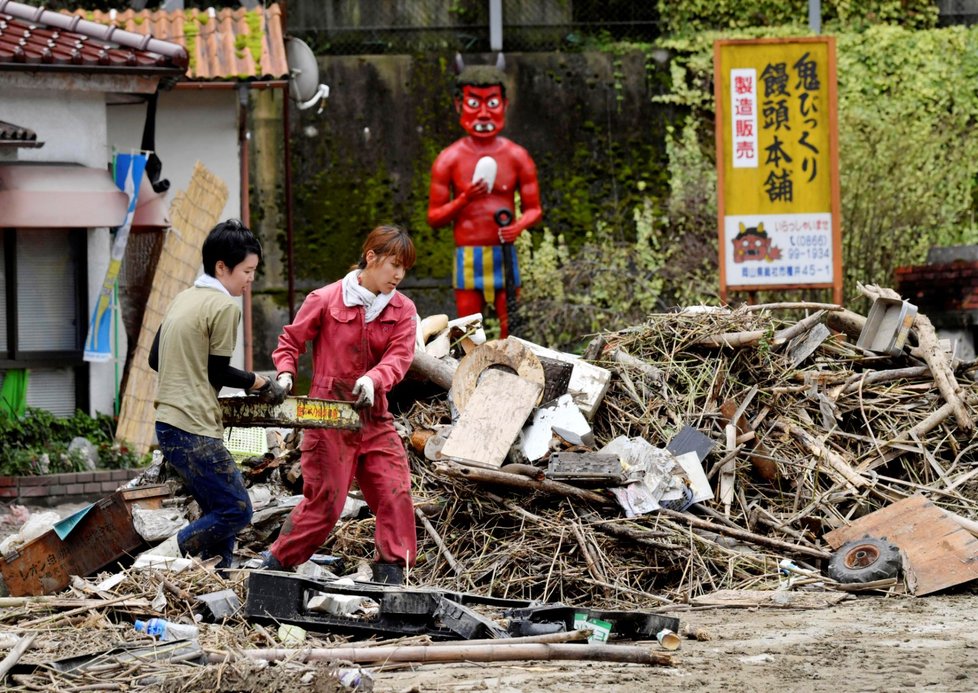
column 225, row 44
column 38, row 39
column 16, row 133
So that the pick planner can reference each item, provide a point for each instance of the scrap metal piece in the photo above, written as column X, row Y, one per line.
column 625, row 625
column 887, row 326
column 217, row 606
column 468, row 624
column 277, row 598
column 595, row 467
column 294, row 412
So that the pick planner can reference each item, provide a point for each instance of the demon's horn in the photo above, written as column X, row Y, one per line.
column 500, row 62
column 459, row 63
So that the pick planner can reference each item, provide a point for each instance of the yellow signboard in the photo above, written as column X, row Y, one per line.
column 777, row 164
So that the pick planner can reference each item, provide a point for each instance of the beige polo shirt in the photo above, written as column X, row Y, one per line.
column 201, row 321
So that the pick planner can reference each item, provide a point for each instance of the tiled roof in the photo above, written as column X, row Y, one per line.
column 940, row 287
column 17, row 134
column 225, row 44
column 33, row 38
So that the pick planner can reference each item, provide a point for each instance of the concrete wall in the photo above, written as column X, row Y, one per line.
column 586, row 118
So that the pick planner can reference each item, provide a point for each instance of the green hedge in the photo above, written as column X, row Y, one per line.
column 26, row 440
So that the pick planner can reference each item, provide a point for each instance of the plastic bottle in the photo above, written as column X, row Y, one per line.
column 167, row 630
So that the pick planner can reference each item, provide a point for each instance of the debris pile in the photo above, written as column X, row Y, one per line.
column 708, row 457
column 811, row 432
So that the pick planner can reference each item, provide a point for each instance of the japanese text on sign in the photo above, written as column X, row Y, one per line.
column 743, row 97
column 778, row 218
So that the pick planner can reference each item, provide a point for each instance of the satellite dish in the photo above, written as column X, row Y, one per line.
column 304, row 86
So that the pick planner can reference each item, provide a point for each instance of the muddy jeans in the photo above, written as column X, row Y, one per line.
column 214, row 481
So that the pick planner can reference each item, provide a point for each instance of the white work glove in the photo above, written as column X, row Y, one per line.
column 364, row 392
column 285, row 380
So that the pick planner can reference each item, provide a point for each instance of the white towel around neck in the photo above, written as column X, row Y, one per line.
column 355, row 295
column 206, row 281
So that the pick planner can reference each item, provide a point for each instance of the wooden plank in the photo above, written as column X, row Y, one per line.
column 940, row 552
column 495, row 413
column 779, row 599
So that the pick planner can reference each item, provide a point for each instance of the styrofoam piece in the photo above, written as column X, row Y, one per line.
column 168, row 563
column 562, row 417
column 440, row 345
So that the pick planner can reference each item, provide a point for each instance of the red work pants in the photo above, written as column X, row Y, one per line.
column 373, row 455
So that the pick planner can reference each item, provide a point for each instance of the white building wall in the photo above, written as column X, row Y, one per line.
column 72, row 125
column 191, row 125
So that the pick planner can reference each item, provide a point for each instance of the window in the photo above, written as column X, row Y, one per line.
column 43, row 314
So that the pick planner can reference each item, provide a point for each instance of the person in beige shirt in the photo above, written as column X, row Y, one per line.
column 192, row 353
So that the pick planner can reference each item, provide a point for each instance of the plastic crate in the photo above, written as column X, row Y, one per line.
column 244, row 442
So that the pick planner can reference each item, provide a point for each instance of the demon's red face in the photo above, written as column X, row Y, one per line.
column 482, row 111
column 751, row 247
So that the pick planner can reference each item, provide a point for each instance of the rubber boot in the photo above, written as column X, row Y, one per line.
column 388, row 573
column 269, row 562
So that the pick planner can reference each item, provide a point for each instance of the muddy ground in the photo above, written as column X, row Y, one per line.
column 865, row 644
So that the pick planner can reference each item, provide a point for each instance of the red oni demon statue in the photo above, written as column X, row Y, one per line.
column 472, row 180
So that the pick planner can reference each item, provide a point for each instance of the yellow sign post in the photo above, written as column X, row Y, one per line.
column 779, row 220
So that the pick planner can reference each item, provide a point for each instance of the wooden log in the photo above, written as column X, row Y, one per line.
column 552, row 638
column 458, row 653
column 847, row 322
column 744, row 535
column 493, row 476
column 15, row 654
column 789, row 305
column 732, row 340
column 438, row 371
column 833, row 460
column 592, row 565
column 620, row 356
column 633, row 534
column 934, row 355
column 940, row 367
column 921, row 429
column 527, row 470
column 119, row 602
column 863, row 379
column 436, row 537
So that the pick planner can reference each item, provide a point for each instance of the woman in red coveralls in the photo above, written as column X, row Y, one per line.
column 363, row 334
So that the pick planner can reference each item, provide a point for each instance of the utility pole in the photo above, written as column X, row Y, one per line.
column 495, row 25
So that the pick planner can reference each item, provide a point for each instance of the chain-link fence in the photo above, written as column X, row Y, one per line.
column 338, row 27
column 958, row 12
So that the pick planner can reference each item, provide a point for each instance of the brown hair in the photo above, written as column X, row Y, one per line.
column 389, row 240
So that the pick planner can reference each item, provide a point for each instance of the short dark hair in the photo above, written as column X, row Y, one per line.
column 230, row 242
column 480, row 76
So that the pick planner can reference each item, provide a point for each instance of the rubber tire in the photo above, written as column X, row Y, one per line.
column 865, row 560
